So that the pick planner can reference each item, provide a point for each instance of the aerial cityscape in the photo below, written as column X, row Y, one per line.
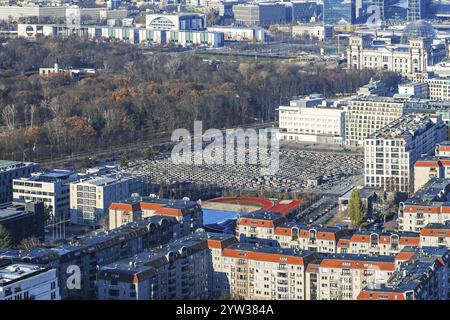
column 225, row 150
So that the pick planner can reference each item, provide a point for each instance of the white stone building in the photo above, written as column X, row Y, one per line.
column 390, row 153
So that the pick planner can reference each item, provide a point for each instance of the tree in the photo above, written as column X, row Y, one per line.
column 85, row 163
column 355, row 210
column 5, row 238
column 48, row 214
column 29, row 243
column 125, row 160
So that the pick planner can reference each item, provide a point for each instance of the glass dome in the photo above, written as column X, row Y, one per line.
column 419, row 28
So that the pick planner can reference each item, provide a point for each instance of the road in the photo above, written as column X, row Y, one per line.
column 327, row 205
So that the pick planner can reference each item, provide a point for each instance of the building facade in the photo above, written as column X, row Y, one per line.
column 365, row 115
column 10, row 170
column 406, row 59
column 20, row 281
column 390, row 153
column 51, row 187
column 23, row 220
column 300, row 122
column 188, row 214
column 91, row 198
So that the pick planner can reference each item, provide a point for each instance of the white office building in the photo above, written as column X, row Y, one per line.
column 390, row 153
column 306, row 120
column 51, row 187
column 91, row 198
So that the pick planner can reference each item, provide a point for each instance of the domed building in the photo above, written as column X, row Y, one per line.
column 418, row 29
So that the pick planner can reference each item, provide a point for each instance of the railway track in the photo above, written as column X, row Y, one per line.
column 161, row 138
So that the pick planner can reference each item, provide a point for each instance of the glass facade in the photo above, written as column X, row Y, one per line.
column 339, row 12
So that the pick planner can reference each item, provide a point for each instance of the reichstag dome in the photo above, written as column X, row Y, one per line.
column 419, row 28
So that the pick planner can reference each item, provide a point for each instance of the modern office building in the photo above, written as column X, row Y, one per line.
column 305, row 120
column 59, row 13
column 10, row 170
column 313, row 31
column 418, row 9
column 339, row 12
column 50, row 187
column 240, row 34
column 418, row 90
column 365, row 115
column 133, row 35
column 23, row 220
column 176, row 22
column 303, row 11
column 260, row 14
column 21, row 281
column 91, row 198
column 390, row 152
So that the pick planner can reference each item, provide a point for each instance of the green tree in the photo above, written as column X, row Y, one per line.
column 125, row 160
column 355, row 210
column 85, row 163
column 5, row 238
column 29, row 243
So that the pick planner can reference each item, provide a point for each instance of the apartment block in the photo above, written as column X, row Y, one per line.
column 436, row 235
column 423, row 277
column 428, row 168
column 23, row 281
column 259, row 227
column 10, row 170
column 316, row 238
column 391, row 152
column 188, row 214
column 178, row 270
column 266, row 273
column 428, row 205
column 93, row 251
column 219, row 285
column 365, row 115
column 377, row 242
column 272, row 229
column 343, row 276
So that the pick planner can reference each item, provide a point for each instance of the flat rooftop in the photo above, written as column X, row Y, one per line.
column 11, row 209
column 167, row 203
column 6, row 165
column 14, row 272
column 409, row 125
